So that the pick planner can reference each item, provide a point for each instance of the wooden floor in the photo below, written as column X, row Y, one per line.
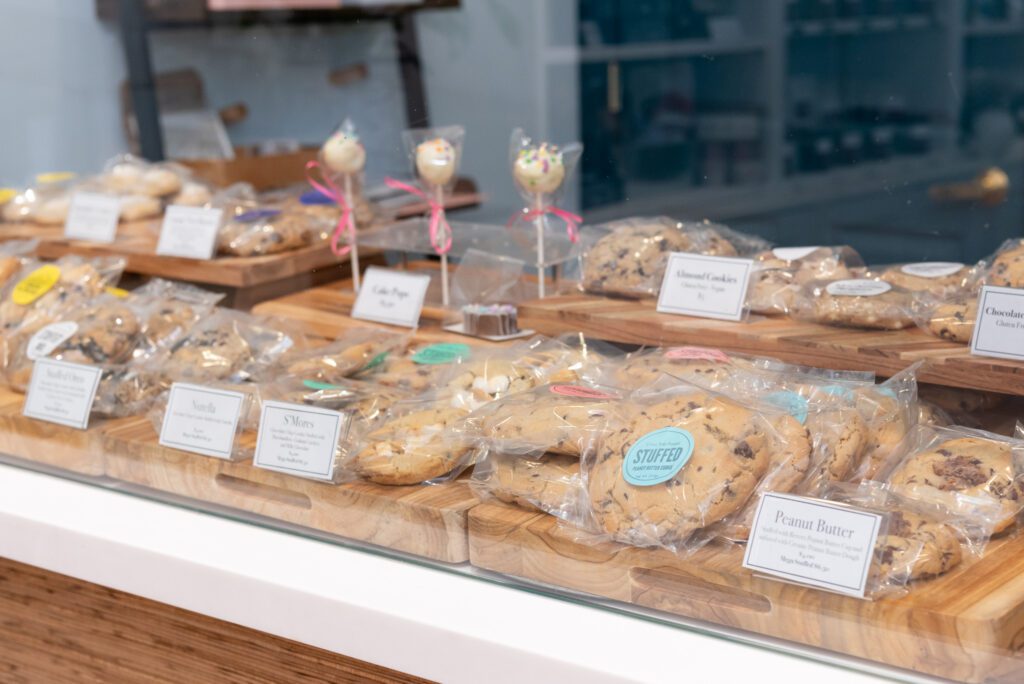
column 56, row 629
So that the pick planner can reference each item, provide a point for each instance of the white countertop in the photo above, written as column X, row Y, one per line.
column 420, row 620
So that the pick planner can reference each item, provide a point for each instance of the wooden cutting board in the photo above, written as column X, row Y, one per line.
column 425, row 520
column 884, row 352
column 966, row 625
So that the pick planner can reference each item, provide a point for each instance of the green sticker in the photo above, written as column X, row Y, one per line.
column 314, row 385
column 444, row 352
column 377, row 360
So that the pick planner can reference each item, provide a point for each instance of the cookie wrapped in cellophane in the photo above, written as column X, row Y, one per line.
column 778, row 274
column 855, row 303
column 419, row 367
column 15, row 255
column 367, row 402
column 1007, row 265
column 357, row 350
column 551, row 483
column 890, row 410
column 674, row 462
column 627, row 258
column 962, row 469
column 952, row 317
column 918, row 539
column 933, row 278
column 559, row 418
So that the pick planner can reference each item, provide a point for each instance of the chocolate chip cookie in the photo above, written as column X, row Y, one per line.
column 1008, row 266
column 551, row 483
column 630, row 261
column 916, row 547
column 954, row 320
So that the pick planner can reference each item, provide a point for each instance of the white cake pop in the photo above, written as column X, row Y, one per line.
column 539, row 169
column 435, row 161
column 343, row 153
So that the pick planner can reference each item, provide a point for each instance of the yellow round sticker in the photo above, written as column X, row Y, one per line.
column 54, row 177
column 116, row 291
column 7, row 194
column 35, row 284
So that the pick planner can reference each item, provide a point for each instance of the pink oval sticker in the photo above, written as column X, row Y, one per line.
column 696, row 354
column 580, row 392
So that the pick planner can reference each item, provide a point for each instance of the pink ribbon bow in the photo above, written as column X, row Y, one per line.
column 572, row 221
column 345, row 222
column 440, row 230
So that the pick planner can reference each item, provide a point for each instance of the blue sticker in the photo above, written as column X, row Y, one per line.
column 790, row 402
column 840, row 391
column 256, row 215
column 886, row 391
column 657, row 456
column 315, row 197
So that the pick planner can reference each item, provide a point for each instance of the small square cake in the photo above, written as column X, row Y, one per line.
column 491, row 320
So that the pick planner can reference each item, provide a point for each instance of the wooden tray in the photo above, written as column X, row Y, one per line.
column 429, row 521
column 885, row 352
column 966, row 625
column 48, row 443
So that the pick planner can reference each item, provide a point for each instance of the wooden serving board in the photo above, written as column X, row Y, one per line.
column 884, row 352
column 966, row 625
column 48, row 443
column 428, row 521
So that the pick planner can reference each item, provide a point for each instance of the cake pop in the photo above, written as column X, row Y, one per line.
column 539, row 169
column 435, row 161
column 343, row 153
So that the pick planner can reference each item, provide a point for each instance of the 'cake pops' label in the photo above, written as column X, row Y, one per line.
column 392, row 297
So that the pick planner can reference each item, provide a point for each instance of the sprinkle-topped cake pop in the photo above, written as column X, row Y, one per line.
column 539, row 169
column 343, row 153
column 435, row 161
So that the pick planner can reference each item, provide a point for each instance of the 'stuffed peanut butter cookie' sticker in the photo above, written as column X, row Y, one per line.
column 35, row 284
column 657, row 456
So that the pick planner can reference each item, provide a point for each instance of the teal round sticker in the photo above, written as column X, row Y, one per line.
column 444, row 352
column 314, row 385
column 790, row 402
column 657, row 456
column 377, row 360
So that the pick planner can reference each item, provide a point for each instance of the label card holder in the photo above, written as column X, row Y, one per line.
column 93, row 216
column 61, row 392
column 393, row 297
column 813, row 542
column 705, row 286
column 299, row 440
column 189, row 232
column 999, row 331
column 201, row 420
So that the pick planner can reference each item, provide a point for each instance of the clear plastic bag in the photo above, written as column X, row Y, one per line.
column 562, row 418
column 890, row 411
column 956, row 466
column 169, row 312
column 779, row 274
column 420, row 367
column 367, row 402
column 484, row 289
column 674, row 463
column 856, row 303
column 936, row 278
column 951, row 318
column 721, row 240
column 46, row 203
column 416, row 441
column 356, row 351
column 435, row 154
column 129, row 175
column 263, row 231
column 550, row 482
column 540, row 170
column 1007, row 269
column 14, row 256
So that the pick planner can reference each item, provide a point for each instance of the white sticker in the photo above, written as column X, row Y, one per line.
column 858, row 288
column 93, row 216
column 299, row 439
column 793, row 253
column 814, row 542
column 999, row 331
column 49, row 338
column 201, row 420
column 189, row 232
column 394, row 297
column 62, row 392
column 705, row 286
column 932, row 269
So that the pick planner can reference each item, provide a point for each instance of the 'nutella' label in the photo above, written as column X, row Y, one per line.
column 858, row 288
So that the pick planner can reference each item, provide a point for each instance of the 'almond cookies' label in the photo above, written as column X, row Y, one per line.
column 657, row 456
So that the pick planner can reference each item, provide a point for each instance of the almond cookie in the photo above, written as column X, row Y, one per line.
column 779, row 273
column 550, row 484
column 859, row 303
column 973, row 466
column 954, row 320
column 630, row 261
column 939, row 278
column 415, row 447
column 730, row 450
column 915, row 547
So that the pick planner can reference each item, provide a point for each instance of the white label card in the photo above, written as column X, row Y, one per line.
column 62, row 392
column 394, row 297
column 299, row 439
column 814, row 542
column 932, row 269
column 49, row 338
column 189, row 232
column 857, row 288
column 999, row 331
column 202, row 420
column 705, row 286
column 793, row 253
column 92, row 216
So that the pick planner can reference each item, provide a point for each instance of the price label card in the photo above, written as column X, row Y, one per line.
column 814, row 542
column 394, row 297
column 299, row 439
column 62, row 392
column 705, row 286
column 201, row 420
column 92, row 216
column 189, row 232
column 999, row 331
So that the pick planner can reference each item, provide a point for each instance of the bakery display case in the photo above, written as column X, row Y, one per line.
column 706, row 337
